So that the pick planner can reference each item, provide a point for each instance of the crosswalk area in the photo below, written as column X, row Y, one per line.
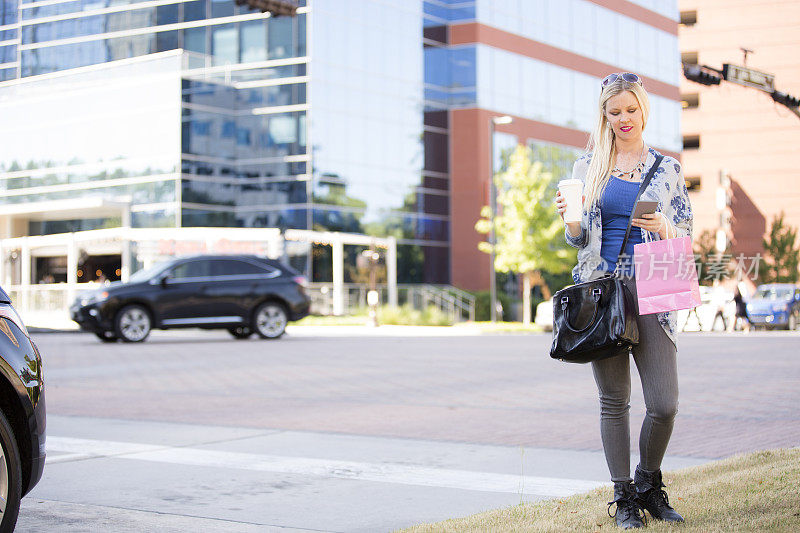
column 72, row 449
column 177, row 477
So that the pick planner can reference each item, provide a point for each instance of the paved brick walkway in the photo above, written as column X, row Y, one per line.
column 738, row 393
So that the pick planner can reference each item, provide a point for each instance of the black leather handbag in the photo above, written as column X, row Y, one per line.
column 596, row 319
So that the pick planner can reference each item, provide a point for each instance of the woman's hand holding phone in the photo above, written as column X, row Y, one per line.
column 646, row 217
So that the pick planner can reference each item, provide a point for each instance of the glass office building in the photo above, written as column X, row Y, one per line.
column 360, row 116
column 541, row 63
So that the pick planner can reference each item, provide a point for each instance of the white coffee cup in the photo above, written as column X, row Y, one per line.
column 572, row 192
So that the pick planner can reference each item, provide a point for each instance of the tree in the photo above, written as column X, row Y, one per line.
column 781, row 255
column 711, row 264
column 529, row 232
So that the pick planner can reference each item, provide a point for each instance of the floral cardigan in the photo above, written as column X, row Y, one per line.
column 667, row 187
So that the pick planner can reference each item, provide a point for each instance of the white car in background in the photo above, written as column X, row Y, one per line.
column 716, row 311
column 544, row 315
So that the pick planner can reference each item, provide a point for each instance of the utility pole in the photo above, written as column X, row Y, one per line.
column 745, row 51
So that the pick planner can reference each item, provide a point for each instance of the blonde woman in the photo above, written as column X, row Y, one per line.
column 612, row 173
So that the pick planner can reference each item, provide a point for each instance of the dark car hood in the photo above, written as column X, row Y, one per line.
column 4, row 299
column 115, row 288
column 118, row 287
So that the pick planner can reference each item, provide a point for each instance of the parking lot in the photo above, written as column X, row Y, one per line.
column 345, row 432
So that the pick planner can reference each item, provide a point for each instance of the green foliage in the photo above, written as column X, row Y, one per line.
column 711, row 264
column 408, row 316
column 555, row 281
column 331, row 189
column 781, row 261
column 528, row 229
column 482, row 310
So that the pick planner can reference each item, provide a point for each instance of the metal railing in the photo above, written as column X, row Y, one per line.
column 457, row 304
column 46, row 304
column 46, row 296
column 53, row 299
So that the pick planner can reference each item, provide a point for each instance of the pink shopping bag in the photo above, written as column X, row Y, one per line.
column 666, row 276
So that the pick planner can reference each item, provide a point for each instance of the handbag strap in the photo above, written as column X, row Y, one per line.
column 642, row 187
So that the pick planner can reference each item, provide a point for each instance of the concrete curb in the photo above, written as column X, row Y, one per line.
column 38, row 330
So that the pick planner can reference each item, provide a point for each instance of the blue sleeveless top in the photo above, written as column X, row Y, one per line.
column 616, row 206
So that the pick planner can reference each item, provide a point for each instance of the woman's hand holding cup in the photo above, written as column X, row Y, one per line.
column 570, row 214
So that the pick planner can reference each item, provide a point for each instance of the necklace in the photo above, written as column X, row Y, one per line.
column 638, row 167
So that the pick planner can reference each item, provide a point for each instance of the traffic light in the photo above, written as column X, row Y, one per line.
column 275, row 7
column 702, row 74
column 786, row 99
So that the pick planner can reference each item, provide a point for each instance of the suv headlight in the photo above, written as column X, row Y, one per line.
column 92, row 298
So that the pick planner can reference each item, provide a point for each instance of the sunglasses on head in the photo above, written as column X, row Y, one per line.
column 630, row 77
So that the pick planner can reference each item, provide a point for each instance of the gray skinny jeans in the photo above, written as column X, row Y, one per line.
column 656, row 361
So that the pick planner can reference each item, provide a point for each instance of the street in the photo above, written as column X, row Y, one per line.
column 324, row 432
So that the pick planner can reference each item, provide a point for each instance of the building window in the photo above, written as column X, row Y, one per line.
column 691, row 142
column 690, row 101
column 689, row 58
column 689, row 18
column 692, row 183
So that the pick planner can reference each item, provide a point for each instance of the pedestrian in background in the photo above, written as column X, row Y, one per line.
column 741, row 320
column 611, row 174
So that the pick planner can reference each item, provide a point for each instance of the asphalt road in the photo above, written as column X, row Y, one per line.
column 327, row 432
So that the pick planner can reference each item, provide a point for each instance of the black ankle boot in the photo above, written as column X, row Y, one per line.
column 652, row 497
column 629, row 513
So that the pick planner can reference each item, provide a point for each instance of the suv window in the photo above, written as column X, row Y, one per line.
column 235, row 267
column 191, row 269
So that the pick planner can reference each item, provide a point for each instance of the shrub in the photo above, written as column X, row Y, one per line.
column 408, row 316
column 482, row 313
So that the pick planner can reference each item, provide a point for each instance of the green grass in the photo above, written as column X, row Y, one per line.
column 754, row 492
column 317, row 320
column 408, row 316
column 402, row 316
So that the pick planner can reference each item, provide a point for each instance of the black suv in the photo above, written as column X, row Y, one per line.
column 241, row 293
column 22, row 414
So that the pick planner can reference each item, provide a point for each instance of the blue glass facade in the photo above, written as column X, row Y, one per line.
column 9, row 39
column 243, row 164
column 450, row 71
column 75, row 34
column 253, row 142
column 69, row 138
column 368, row 133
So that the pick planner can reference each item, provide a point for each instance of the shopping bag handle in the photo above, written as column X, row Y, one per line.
column 642, row 187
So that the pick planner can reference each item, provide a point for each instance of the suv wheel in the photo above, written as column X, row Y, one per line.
column 241, row 332
column 106, row 336
column 270, row 320
column 133, row 323
column 10, row 477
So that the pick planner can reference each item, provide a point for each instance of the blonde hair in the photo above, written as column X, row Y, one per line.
column 601, row 141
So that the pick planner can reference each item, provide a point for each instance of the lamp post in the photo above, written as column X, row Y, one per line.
column 372, row 257
column 504, row 119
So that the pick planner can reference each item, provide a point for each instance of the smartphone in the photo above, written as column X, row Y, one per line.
column 644, row 207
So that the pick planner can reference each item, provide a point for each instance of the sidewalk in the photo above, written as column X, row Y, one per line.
column 279, row 480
